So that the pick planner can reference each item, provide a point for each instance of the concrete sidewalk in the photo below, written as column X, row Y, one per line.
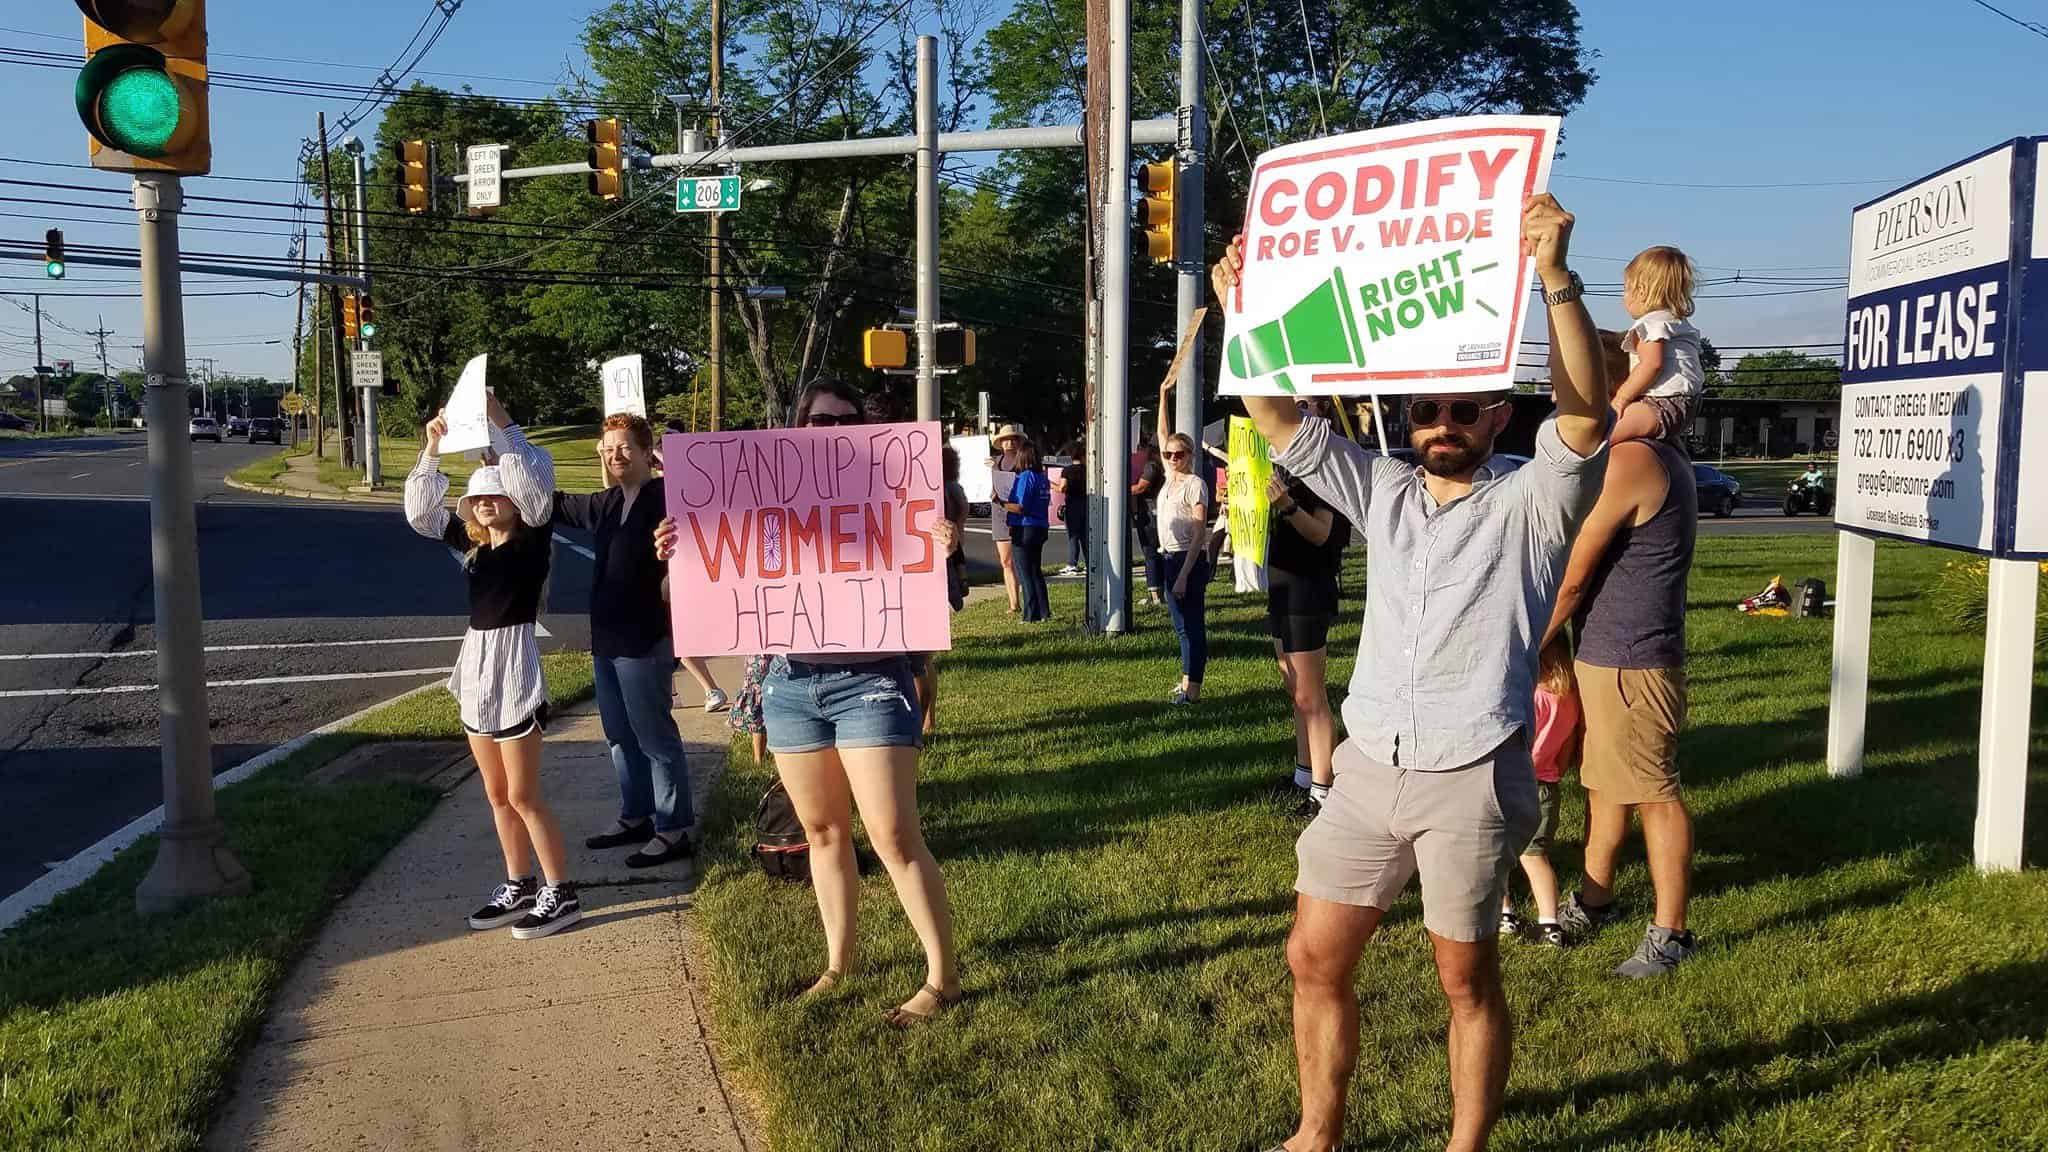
column 403, row 1029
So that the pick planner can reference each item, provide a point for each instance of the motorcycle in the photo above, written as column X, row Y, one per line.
column 1801, row 497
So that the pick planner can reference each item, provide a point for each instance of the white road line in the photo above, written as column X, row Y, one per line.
column 138, row 463
column 81, row 475
column 249, row 647
column 16, row 694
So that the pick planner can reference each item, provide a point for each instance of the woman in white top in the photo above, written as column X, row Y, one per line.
column 1183, row 513
column 502, row 534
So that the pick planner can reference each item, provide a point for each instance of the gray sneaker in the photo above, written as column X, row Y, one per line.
column 1660, row 952
column 1580, row 919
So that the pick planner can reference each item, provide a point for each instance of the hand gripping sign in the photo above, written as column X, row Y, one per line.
column 809, row 541
column 1387, row 260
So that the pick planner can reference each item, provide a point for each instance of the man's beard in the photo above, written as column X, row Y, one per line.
column 1457, row 458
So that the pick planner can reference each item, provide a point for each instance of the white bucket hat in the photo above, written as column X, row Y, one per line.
column 485, row 481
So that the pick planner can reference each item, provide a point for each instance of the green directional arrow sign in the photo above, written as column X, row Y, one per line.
column 708, row 194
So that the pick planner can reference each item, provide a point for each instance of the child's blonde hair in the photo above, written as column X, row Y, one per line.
column 1663, row 277
column 1554, row 667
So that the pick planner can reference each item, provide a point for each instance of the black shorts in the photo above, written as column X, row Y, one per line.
column 538, row 722
column 1298, row 632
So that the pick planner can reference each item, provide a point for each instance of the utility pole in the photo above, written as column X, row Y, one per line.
column 927, row 227
column 192, row 857
column 298, row 347
column 41, row 419
column 372, row 455
column 1116, row 317
column 1105, row 471
column 100, row 334
column 1188, row 246
column 340, row 345
column 715, row 227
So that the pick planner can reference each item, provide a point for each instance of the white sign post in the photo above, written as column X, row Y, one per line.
column 469, row 425
column 1933, row 444
column 623, row 391
column 367, row 369
column 484, row 162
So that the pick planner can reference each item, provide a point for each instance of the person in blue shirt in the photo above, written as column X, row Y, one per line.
column 1027, row 506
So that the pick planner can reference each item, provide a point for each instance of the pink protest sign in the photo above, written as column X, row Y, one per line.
column 812, row 541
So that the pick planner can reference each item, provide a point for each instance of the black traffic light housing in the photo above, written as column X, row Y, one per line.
column 53, row 253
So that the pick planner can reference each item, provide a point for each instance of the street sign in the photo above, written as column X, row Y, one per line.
column 293, row 403
column 64, row 369
column 367, row 369
column 486, row 188
column 708, row 194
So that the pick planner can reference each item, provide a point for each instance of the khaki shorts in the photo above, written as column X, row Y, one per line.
column 1461, row 829
column 1633, row 718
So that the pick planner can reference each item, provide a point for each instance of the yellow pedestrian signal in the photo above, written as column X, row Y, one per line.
column 954, row 347
column 415, row 178
column 351, row 319
column 885, row 348
column 1155, row 211
column 142, row 92
column 607, row 163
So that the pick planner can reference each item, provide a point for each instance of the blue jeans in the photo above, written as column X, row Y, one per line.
column 811, row 707
column 647, row 751
column 1027, row 560
column 1190, row 613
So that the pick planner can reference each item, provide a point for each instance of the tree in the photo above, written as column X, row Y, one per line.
column 1785, row 375
column 85, row 396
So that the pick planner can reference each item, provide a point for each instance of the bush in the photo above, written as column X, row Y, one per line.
column 1962, row 593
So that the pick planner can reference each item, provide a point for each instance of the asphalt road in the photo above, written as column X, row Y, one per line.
column 312, row 610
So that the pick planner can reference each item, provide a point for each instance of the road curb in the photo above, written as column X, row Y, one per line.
column 86, row 863
column 300, row 494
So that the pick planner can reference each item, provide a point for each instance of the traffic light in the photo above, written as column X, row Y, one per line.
column 142, row 92
column 351, row 320
column 415, row 177
column 53, row 253
column 607, row 165
column 954, row 347
column 366, row 316
column 1155, row 211
column 885, row 348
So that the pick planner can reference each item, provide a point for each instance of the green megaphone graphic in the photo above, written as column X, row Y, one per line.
column 1320, row 329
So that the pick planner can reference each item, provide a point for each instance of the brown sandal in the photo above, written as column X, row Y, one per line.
column 827, row 980
column 904, row 1018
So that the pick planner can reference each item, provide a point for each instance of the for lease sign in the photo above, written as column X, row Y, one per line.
column 1387, row 260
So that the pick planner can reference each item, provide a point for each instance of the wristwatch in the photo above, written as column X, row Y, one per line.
column 1290, row 510
column 1570, row 292
column 1565, row 294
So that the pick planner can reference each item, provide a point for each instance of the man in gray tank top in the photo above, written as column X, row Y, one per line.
column 1624, row 592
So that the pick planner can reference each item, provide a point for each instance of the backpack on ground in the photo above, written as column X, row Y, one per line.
column 779, row 844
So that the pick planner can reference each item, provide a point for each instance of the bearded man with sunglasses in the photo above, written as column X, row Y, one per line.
column 1463, row 566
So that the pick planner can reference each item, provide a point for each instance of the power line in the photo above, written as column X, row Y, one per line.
column 2029, row 25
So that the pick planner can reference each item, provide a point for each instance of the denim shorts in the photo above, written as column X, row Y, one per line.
column 810, row 707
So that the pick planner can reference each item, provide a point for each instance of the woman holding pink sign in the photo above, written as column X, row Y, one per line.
column 845, row 731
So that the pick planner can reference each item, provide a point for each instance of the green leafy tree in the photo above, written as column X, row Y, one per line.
column 1785, row 375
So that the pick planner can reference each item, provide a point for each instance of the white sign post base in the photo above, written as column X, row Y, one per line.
column 1849, row 691
column 2002, row 727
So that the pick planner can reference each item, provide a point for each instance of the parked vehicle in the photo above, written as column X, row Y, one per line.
column 204, row 428
column 238, row 426
column 264, row 428
column 1719, row 492
column 13, row 423
column 1801, row 496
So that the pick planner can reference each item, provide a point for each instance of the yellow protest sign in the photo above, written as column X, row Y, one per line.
column 1251, row 509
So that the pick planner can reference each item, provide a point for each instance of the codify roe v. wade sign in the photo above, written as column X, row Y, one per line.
column 1947, row 325
column 808, row 541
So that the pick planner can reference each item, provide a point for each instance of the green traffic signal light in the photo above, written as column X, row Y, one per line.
column 54, row 269
column 139, row 110
column 369, row 330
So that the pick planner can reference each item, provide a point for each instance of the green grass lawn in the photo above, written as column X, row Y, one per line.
column 574, row 448
column 269, row 468
column 118, row 1032
column 1122, row 888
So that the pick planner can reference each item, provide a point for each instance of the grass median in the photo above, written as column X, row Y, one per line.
column 118, row 1032
column 1121, row 879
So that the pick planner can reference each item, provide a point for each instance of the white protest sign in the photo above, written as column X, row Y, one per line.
column 469, row 425
column 1929, row 320
column 483, row 163
column 974, row 470
column 622, row 388
column 1387, row 260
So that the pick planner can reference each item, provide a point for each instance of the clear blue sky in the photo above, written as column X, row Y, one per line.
column 1872, row 91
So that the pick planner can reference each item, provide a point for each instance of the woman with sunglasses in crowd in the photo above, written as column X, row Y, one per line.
column 1182, row 512
column 845, row 731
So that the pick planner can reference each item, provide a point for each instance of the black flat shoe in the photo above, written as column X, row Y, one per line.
column 620, row 836
column 678, row 848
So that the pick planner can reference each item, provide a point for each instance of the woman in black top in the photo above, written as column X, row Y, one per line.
column 502, row 530
column 1304, row 550
column 1073, row 485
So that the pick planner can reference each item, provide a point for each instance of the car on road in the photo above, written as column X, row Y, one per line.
column 238, row 426
column 204, row 428
column 264, row 428
column 13, row 423
column 1719, row 492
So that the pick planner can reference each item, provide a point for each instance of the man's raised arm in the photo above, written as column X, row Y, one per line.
column 1277, row 417
column 1578, row 371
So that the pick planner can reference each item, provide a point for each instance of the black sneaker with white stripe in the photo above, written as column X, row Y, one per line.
column 554, row 909
column 507, row 904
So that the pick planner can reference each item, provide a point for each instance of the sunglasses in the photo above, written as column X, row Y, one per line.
column 831, row 419
column 1175, row 455
column 1423, row 413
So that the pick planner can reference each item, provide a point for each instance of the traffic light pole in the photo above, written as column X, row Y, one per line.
column 714, row 229
column 1187, row 200
column 1113, row 410
column 373, row 455
column 927, row 227
column 192, row 858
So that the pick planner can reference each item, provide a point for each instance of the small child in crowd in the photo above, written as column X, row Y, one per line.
column 746, row 709
column 1661, row 393
column 1555, row 746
